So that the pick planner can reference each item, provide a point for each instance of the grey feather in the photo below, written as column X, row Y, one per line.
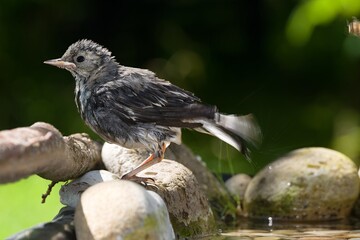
column 245, row 127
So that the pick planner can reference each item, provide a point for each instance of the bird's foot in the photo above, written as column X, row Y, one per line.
column 144, row 181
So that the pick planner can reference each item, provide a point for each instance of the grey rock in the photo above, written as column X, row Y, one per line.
column 120, row 160
column 356, row 208
column 237, row 184
column 70, row 193
column 190, row 213
column 122, row 209
column 306, row 184
column 213, row 188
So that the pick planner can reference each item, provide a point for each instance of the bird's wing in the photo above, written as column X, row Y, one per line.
column 140, row 96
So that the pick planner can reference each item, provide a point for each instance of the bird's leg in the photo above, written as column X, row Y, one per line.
column 151, row 160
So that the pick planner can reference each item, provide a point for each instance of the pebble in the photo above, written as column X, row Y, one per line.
column 121, row 209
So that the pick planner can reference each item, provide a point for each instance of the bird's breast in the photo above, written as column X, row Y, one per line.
column 82, row 96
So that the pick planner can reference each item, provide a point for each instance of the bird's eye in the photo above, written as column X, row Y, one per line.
column 80, row 58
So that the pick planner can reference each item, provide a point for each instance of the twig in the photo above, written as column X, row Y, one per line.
column 48, row 191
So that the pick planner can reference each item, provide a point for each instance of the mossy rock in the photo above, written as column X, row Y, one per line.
column 306, row 184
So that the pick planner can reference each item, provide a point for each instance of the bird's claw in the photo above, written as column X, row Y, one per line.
column 144, row 181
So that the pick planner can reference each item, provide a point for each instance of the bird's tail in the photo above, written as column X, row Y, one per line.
column 237, row 131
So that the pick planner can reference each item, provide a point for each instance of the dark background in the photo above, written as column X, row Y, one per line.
column 291, row 63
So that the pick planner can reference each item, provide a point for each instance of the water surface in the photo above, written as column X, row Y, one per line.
column 281, row 230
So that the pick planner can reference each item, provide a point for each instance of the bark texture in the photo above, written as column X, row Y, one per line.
column 41, row 149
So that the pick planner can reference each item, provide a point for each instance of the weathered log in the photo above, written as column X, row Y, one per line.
column 41, row 149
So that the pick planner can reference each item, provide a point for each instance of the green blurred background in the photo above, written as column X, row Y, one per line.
column 291, row 63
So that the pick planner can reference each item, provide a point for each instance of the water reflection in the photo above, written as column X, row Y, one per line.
column 272, row 229
column 271, row 224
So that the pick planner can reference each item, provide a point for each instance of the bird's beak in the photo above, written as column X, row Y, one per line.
column 61, row 64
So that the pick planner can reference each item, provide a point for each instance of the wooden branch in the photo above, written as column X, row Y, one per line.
column 41, row 149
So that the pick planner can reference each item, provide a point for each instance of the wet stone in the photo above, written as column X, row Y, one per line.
column 237, row 184
column 306, row 184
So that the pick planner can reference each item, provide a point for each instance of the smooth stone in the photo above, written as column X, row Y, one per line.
column 237, row 184
column 356, row 208
column 70, row 193
column 189, row 210
column 122, row 209
column 120, row 160
column 222, row 203
column 306, row 184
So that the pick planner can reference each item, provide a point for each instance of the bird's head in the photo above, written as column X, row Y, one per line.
column 83, row 58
